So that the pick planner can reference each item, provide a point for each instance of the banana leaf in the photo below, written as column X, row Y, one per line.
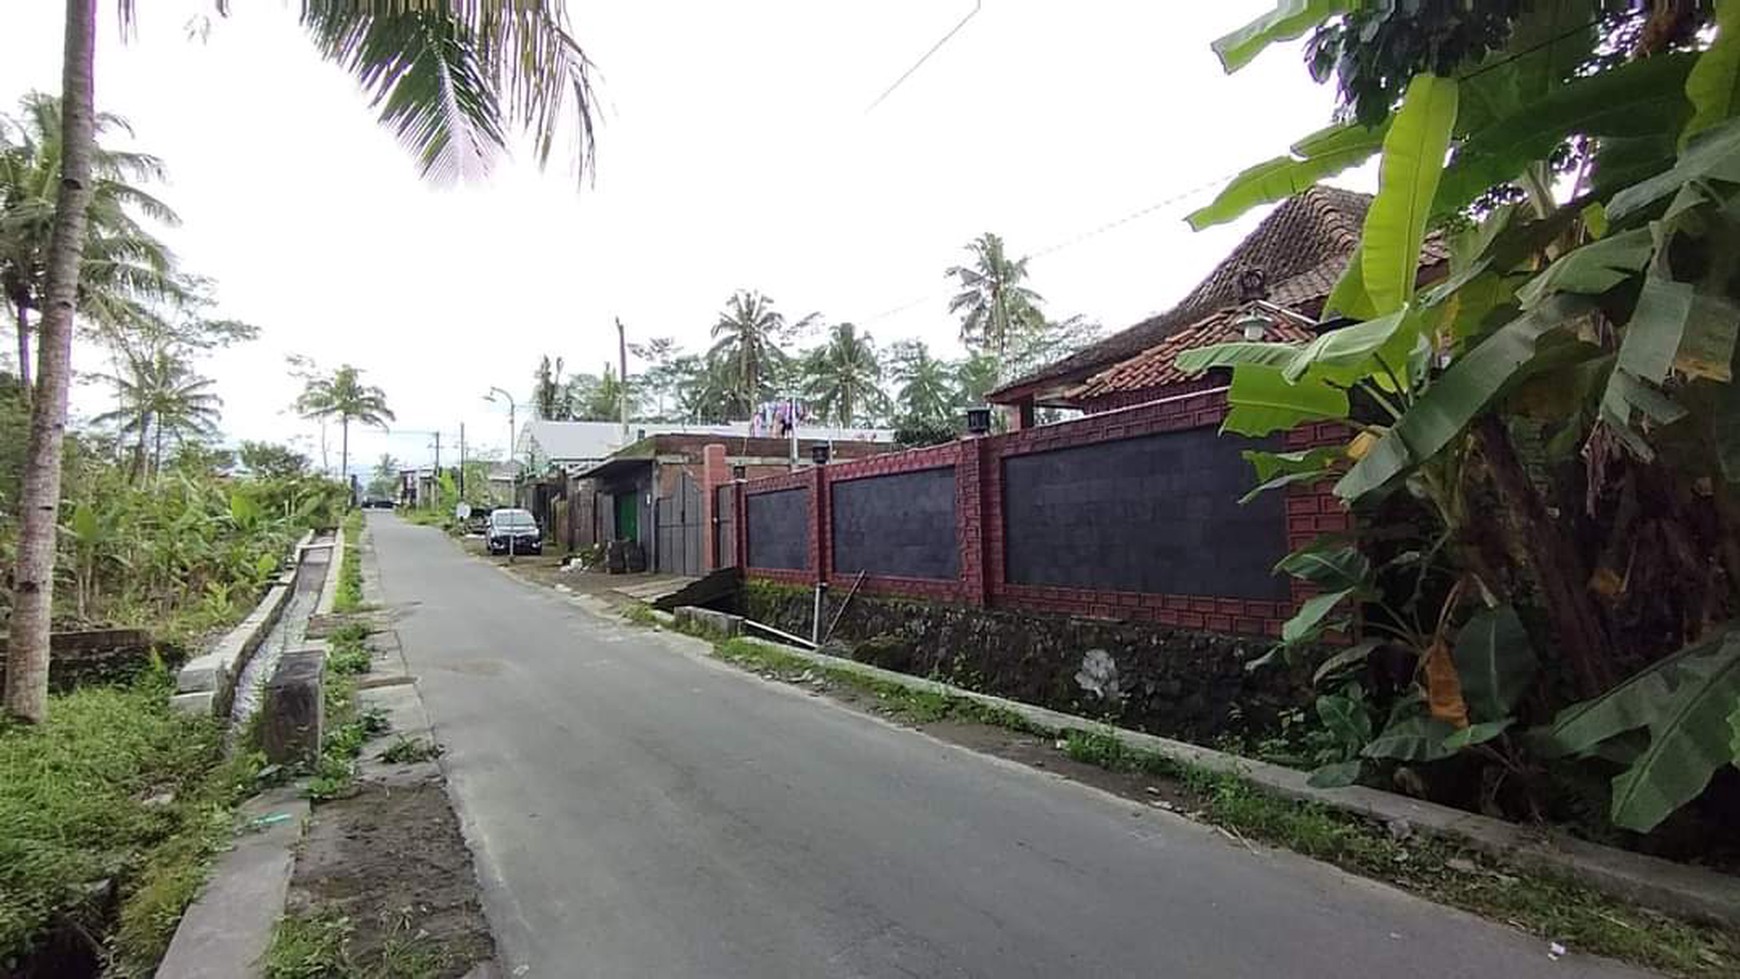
column 1413, row 163
column 1289, row 19
column 1685, row 702
column 1494, row 661
column 1713, row 87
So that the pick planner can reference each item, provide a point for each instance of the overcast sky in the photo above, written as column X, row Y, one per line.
column 735, row 151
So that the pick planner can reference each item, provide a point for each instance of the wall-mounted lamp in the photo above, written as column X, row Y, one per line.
column 978, row 420
column 1253, row 325
column 739, row 472
column 819, row 454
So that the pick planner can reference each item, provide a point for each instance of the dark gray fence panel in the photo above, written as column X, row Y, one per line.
column 779, row 533
column 725, row 524
column 1157, row 514
column 900, row 524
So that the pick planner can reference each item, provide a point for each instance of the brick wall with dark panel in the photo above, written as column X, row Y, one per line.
column 901, row 524
column 1155, row 514
column 778, row 529
column 1127, row 514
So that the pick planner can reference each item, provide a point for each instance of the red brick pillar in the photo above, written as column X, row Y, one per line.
column 740, row 539
column 714, row 473
column 820, row 531
column 970, row 514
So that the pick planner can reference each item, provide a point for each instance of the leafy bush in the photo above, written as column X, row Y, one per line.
column 182, row 552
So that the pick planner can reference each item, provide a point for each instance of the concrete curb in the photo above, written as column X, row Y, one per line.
column 329, row 588
column 1633, row 877
column 208, row 681
column 228, row 929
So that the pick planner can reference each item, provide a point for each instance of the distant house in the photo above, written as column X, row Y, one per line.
column 1279, row 276
column 572, row 447
column 588, row 488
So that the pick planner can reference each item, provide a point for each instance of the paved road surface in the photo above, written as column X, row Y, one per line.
column 640, row 812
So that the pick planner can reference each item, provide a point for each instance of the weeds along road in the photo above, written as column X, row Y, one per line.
column 640, row 811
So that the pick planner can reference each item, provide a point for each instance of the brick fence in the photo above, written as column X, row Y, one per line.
column 1140, row 526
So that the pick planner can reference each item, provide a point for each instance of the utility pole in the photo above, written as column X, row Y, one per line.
column 622, row 374
column 435, row 490
column 462, row 460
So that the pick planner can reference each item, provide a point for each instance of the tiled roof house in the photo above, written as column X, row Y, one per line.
column 1283, row 272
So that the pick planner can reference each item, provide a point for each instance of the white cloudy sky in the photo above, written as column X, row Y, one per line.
column 735, row 151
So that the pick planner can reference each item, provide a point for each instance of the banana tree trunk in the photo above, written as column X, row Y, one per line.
column 1551, row 559
column 33, row 576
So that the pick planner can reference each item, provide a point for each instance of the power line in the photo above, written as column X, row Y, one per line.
column 1074, row 240
column 926, row 56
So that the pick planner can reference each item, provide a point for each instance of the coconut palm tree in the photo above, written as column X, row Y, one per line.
column 159, row 397
column 549, row 394
column 386, row 479
column 994, row 306
column 844, row 376
column 123, row 266
column 345, row 397
column 449, row 78
column 704, row 388
column 747, row 338
column 975, row 377
column 928, row 389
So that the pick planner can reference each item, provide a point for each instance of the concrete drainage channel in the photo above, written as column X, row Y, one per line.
column 223, row 932
column 336, row 871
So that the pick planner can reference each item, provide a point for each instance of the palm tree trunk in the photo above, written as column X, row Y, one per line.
column 344, row 454
column 139, row 449
column 33, row 576
column 157, row 448
column 23, row 350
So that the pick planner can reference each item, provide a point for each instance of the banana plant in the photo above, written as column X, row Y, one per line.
column 1613, row 315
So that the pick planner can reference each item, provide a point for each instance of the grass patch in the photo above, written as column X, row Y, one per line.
column 116, row 786
column 348, row 660
column 349, row 595
column 430, row 517
column 405, row 750
column 1541, row 904
column 640, row 613
column 349, row 633
column 347, row 730
column 318, row 945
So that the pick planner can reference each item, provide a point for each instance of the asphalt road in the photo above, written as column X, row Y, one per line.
column 637, row 810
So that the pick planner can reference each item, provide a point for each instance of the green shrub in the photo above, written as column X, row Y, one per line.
column 349, row 660
column 119, row 786
column 405, row 750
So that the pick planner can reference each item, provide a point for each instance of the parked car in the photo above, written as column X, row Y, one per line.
column 377, row 502
column 514, row 530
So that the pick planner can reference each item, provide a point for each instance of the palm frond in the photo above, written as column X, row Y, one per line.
column 450, row 76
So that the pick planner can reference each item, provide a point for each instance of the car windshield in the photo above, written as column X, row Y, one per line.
column 514, row 519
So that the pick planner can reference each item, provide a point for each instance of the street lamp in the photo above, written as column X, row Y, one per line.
column 491, row 396
column 512, row 409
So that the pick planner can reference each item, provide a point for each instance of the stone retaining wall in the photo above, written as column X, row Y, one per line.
column 1176, row 682
column 95, row 656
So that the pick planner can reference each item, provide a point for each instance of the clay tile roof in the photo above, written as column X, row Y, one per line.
column 1154, row 367
column 1302, row 247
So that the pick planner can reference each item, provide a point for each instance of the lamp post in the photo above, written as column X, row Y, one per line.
column 505, row 396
